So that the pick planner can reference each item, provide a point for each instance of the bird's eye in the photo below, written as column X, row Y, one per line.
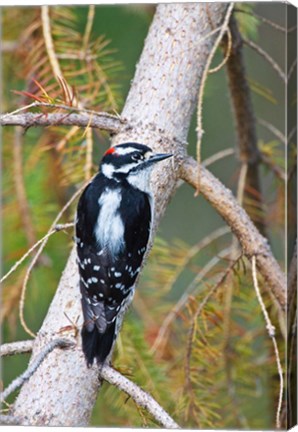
column 137, row 157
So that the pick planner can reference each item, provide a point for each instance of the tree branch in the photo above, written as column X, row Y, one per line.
column 141, row 398
column 19, row 381
column 20, row 347
column 111, row 124
column 252, row 242
column 245, row 121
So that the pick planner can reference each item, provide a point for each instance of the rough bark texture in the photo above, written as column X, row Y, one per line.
column 101, row 121
column 158, row 109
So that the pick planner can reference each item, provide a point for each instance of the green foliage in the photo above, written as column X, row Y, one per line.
column 247, row 21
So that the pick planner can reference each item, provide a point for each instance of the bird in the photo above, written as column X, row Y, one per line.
column 113, row 227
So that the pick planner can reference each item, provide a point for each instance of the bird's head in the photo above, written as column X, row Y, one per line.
column 130, row 161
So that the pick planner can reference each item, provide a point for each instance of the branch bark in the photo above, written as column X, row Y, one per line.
column 20, row 347
column 26, row 120
column 164, row 91
column 19, row 381
column 141, row 398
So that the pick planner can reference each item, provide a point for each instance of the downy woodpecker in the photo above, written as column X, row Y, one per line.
column 113, row 226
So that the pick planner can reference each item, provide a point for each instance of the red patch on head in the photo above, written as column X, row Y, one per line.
column 110, row 151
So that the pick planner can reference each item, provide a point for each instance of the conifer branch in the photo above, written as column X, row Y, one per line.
column 252, row 242
column 141, row 398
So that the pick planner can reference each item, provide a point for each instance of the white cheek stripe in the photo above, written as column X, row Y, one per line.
column 141, row 180
column 107, row 170
column 109, row 229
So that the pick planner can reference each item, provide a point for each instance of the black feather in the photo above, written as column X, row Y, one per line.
column 97, row 345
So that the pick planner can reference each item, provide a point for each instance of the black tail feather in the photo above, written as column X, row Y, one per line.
column 97, row 345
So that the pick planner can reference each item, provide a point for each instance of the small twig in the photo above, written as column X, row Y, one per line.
column 59, row 106
column 292, row 68
column 241, row 183
column 218, row 156
column 194, row 250
column 227, row 53
column 72, row 132
column 140, row 397
column 49, row 233
column 19, row 347
column 89, row 24
column 278, row 134
column 274, row 167
column 34, row 260
column 271, row 332
column 261, row 18
column 18, row 382
column 292, row 133
column 89, row 151
column 183, row 300
column 50, row 48
column 266, row 56
column 198, row 313
column 228, row 296
column 49, row 43
column 202, row 87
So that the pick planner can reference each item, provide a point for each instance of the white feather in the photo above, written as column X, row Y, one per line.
column 126, row 150
column 141, row 180
column 109, row 229
column 107, row 170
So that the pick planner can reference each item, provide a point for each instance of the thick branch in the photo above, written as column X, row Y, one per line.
column 252, row 242
column 141, row 398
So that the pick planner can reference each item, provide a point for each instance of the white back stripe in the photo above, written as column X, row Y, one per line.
column 109, row 229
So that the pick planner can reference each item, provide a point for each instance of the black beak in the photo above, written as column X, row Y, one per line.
column 157, row 157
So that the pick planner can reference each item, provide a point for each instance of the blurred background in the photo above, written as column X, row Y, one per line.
column 229, row 380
